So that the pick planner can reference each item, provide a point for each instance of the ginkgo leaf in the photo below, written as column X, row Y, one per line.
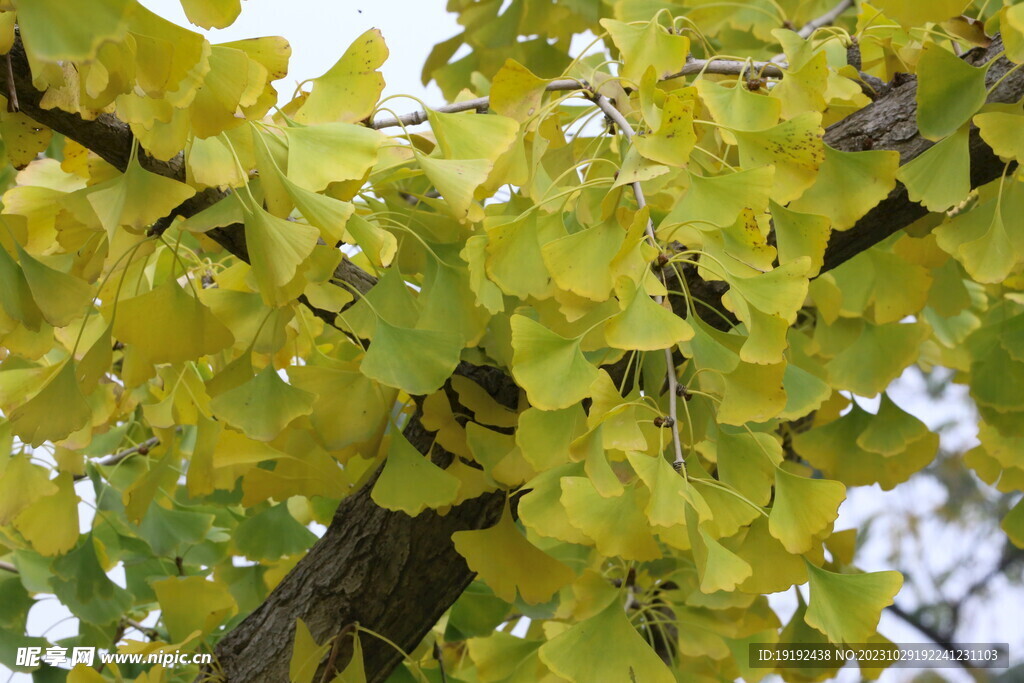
column 52, row 34
column 753, row 393
column 415, row 361
column 891, row 429
column 1002, row 131
column 643, row 324
column 514, row 260
column 58, row 410
column 212, row 13
column 616, row 525
column 779, row 292
column 949, row 92
column 846, row 607
column 16, row 295
column 804, row 85
column 918, row 14
column 410, row 482
column 471, row 135
column 802, row 509
column 877, row 357
column 349, row 90
column 865, row 179
column 169, row 326
column 670, row 492
column 801, row 234
column 456, row 180
column 738, row 108
column 1013, row 524
column 277, row 249
column 329, row 153
column 747, row 462
column 544, row 436
column 60, row 297
column 263, row 406
column 349, row 408
column 307, row 655
column 509, row 563
column 719, row 568
column 271, row 534
column 940, row 177
column 327, row 213
column 80, row 583
column 580, row 262
column 718, row 200
column 540, row 354
column 541, row 509
column 192, row 603
column 773, row 567
column 379, row 245
column 650, row 44
column 604, row 649
column 135, row 199
column 673, row 141
column 794, row 147
column 516, row 92
column 50, row 523
column 22, row 483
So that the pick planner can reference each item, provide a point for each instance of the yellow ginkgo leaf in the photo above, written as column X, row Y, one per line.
column 509, row 563
column 738, row 108
column 263, row 406
column 673, row 141
column 849, row 184
column 410, row 482
column 349, row 408
column 605, row 648
column 670, row 492
column 192, row 603
column 803, row 508
column 330, row 153
column 50, row 523
column 15, row 294
column 60, row 297
column 307, row 655
column 456, row 180
column 643, row 324
column 648, row 45
column 169, row 326
column 718, row 200
column 212, row 13
column 616, row 525
column 471, row 135
column 58, row 410
column 846, row 607
column 753, row 393
column 135, row 199
column 1002, row 131
column 794, row 147
column 516, row 92
column 350, row 89
column 891, row 429
column 538, row 355
column 22, row 483
column 52, row 34
column 719, row 568
column 581, row 262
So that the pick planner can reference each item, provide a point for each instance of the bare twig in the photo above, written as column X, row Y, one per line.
column 616, row 116
column 8, row 567
column 121, row 455
column 147, row 631
column 825, row 19
column 928, row 632
column 725, row 67
column 12, row 92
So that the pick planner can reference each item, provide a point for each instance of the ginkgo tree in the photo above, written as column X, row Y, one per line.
column 581, row 346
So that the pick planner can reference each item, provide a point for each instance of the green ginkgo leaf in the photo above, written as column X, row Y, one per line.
column 1013, row 524
column 262, row 407
column 738, row 108
column 940, row 177
column 410, row 482
column 891, row 429
column 949, row 92
column 780, row 292
column 877, row 357
column 719, row 568
column 802, row 509
column 846, row 607
column 604, row 649
column 773, row 567
column 670, row 492
column 52, row 35
column 794, row 147
column 538, row 355
column 58, row 410
column 647, row 45
column 416, row 361
column 510, row 564
column 514, row 261
column 616, row 525
column 271, row 534
column 379, row 245
column 850, row 184
column 643, row 324
column 16, row 295
column 170, row 326
column 327, row 213
column 747, row 462
column 330, row 153
column 277, row 249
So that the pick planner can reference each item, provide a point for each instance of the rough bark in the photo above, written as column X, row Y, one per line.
column 395, row 574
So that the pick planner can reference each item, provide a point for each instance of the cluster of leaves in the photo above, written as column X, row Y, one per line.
column 646, row 522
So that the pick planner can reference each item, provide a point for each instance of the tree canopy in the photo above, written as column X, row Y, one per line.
column 581, row 346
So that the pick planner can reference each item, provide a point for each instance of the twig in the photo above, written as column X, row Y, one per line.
column 724, row 67
column 927, row 631
column 118, row 457
column 825, row 19
column 616, row 116
column 147, row 631
column 332, row 659
column 8, row 567
column 12, row 91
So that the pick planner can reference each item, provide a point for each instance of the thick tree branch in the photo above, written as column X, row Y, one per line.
column 368, row 551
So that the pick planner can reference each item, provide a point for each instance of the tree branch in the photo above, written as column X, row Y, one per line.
column 825, row 19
